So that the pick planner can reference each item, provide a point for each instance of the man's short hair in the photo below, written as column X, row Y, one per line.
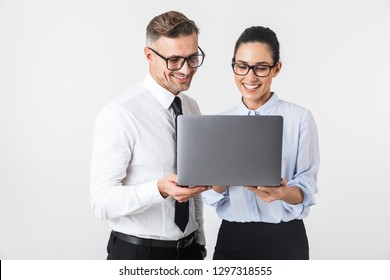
column 171, row 24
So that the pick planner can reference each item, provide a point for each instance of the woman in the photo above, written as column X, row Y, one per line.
column 261, row 222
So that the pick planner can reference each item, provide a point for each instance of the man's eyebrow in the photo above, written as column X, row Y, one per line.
column 179, row 56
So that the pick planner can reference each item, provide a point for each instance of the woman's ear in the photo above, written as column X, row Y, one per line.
column 278, row 67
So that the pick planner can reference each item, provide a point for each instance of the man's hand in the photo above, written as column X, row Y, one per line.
column 219, row 189
column 168, row 187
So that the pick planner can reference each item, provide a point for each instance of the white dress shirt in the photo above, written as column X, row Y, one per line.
column 300, row 163
column 134, row 146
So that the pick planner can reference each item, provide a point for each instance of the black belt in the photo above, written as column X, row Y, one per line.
column 181, row 243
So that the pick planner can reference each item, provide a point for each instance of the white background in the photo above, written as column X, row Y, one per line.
column 61, row 61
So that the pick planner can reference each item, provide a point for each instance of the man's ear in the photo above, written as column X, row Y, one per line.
column 148, row 54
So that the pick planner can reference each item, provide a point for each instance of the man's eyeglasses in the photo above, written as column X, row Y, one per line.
column 242, row 69
column 176, row 62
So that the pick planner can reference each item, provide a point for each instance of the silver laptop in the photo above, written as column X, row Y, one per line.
column 229, row 150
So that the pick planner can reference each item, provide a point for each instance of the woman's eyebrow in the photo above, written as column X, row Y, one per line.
column 257, row 63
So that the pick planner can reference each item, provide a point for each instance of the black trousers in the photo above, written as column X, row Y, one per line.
column 262, row 241
column 118, row 249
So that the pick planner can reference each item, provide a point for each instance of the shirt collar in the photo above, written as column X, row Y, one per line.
column 163, row 96
column 263, row 110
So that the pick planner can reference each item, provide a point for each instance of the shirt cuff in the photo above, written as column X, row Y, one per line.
column 212, row 197
column 148, row 193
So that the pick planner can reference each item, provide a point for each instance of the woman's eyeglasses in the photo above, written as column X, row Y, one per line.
column 242, row 69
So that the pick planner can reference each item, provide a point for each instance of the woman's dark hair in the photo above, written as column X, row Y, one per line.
column 259, row 34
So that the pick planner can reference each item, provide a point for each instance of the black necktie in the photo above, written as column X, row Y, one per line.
column 181, row 209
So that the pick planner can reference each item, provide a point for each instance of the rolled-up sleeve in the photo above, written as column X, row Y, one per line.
column 307, row 165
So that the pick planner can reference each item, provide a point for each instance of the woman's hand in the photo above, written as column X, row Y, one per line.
column 291, row 195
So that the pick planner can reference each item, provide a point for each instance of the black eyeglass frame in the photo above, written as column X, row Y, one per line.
column 253, row 69
column 202, row 54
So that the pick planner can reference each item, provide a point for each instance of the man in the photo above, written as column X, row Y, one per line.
column 133, row 181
